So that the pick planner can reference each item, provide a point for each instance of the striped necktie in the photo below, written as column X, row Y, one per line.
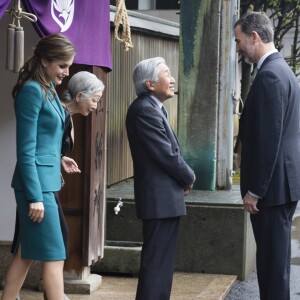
column 164, row 111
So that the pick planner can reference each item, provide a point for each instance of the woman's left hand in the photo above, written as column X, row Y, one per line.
column 69, row 165
column 36, row 211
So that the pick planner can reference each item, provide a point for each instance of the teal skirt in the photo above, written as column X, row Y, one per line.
column 40, row 241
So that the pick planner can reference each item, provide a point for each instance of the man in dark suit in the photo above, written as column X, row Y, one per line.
column 270, row 158
column 161, row 177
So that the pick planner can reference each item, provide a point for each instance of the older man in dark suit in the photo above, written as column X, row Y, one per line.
column 270, row 159
column 161, row 177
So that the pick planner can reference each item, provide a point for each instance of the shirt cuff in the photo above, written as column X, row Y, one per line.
column 254, row 195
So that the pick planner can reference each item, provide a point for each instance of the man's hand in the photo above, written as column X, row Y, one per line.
column 250, row 204
column 189, row 188
column 69, row 165
column 36, row 211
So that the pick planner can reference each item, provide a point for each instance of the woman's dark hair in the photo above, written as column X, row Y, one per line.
column 51, row 48
column 258, row 22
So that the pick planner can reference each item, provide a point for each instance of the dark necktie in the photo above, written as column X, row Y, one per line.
column 253, row 73
column 164, row 111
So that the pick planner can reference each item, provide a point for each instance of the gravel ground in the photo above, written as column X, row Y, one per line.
column 245, row 290
column 248, row 289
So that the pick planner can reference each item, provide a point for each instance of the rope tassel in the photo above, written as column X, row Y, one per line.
column 10, row 48
column 15, row 37
column 121, row 18
column 19, row 49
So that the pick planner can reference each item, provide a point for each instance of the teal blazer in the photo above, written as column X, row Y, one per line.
column 40, row 124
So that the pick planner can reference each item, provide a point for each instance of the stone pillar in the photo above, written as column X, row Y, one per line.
column 199, row 86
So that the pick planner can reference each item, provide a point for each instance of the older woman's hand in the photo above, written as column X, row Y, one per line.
column 69, row 165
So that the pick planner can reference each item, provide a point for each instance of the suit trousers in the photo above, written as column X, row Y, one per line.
column 157, row 259
column 272, row 232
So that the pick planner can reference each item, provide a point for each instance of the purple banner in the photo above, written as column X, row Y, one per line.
column 3, row 7
column 85, row 23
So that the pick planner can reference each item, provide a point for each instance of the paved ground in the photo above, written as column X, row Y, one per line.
column 186, row 286
column 248, row 290
column 194, row 286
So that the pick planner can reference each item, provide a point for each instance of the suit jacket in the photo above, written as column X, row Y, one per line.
column 160, row 172
column 270, row 135
column 40, row 124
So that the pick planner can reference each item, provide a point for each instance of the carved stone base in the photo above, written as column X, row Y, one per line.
column 85, row 286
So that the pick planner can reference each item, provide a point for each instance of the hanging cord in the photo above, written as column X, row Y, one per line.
column 121, row 17
column 15, row 37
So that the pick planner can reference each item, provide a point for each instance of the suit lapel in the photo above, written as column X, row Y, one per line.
column 264, row 64
column 158, row 108
column 58, row 107
column 166, row 120
column 57, row 104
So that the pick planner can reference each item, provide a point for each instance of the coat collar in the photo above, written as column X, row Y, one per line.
column 265, row 62
column 152, row 101
column 269, row 58
column 156, row 105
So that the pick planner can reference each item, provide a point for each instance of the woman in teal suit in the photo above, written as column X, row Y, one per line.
column 40, row 122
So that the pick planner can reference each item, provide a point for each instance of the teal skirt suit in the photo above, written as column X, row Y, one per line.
column 40, row 123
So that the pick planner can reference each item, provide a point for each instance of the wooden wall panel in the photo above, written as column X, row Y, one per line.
column 121, row 93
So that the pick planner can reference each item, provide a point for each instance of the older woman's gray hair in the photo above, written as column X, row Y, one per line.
column 146, row 70
column 82, row 82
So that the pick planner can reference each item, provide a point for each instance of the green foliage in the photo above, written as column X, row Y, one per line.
column 273, row 3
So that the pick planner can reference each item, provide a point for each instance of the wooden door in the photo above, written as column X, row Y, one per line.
column 83, row 197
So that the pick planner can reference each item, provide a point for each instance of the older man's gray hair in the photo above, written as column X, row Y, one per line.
column 146, row 70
